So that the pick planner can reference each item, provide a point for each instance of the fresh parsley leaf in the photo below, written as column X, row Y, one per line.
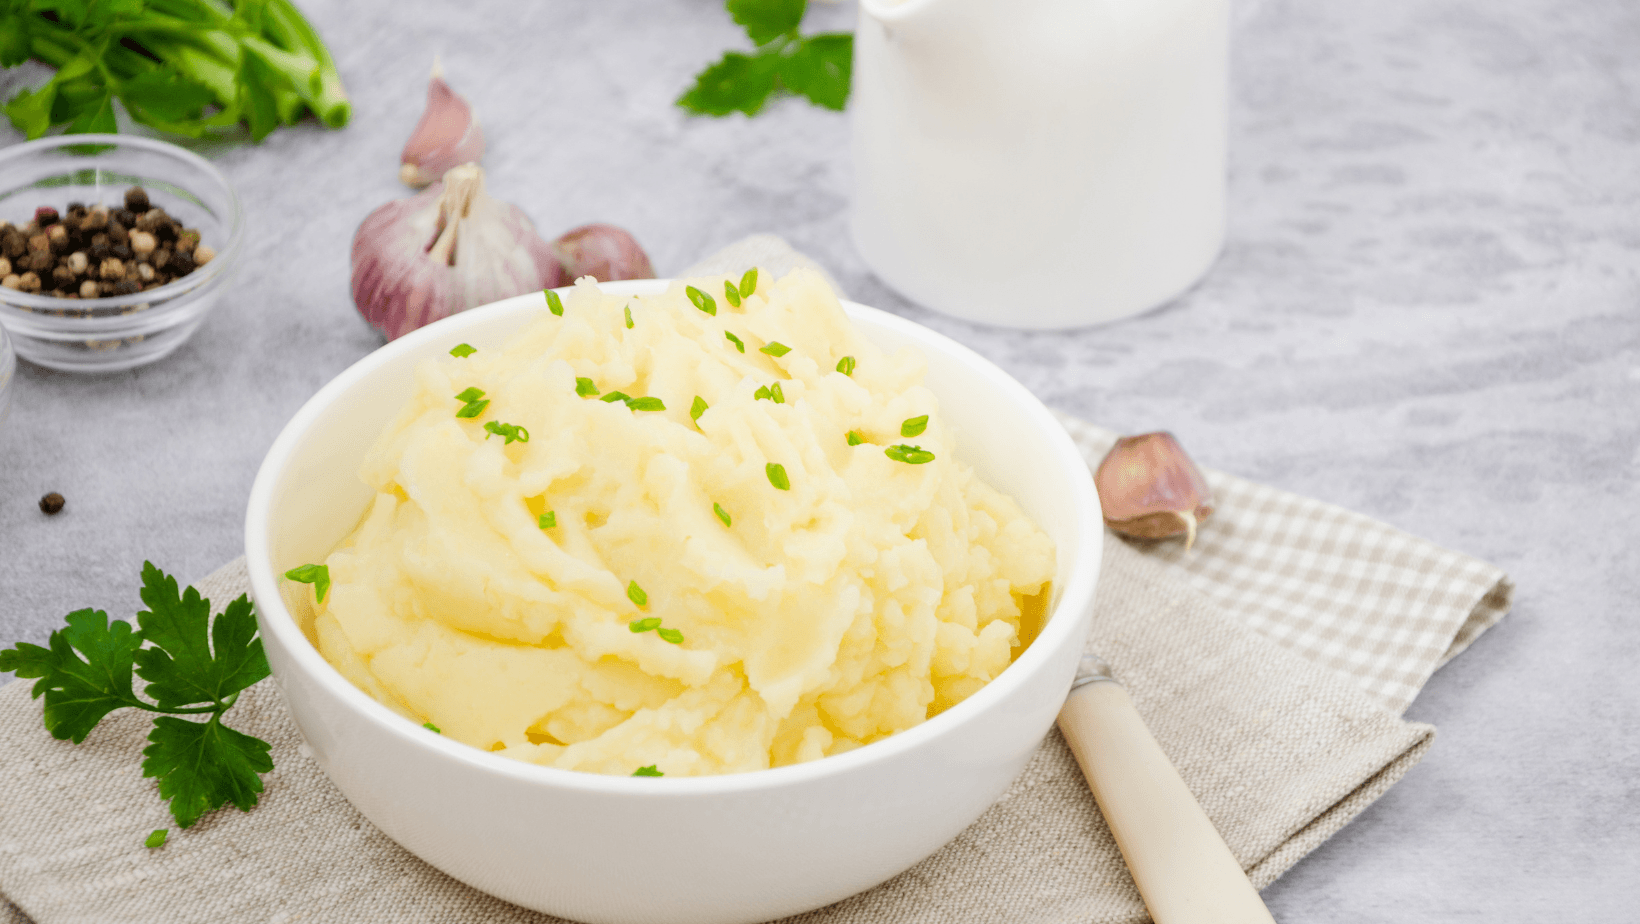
column 702, row 301
column 736, row 341
column 462, row 350
column 30, row 110
column 317, row 575
column 855, row 437
column 819, row 69
column 670, row 635
column 774, row 348
column 644, row 625
column 636, row 594
column 554, row 303
column 547, row 520
column 164, row 94
column 911, row 455
column 646, row 404
column 698, row 408
column 748, row 283
column 735, row 83
column 96, row 118
column 650, row 770
column 84, row 675
column 585, row 388
column 722, row 514
column 156, row 839
column 182, row 667
column 767, row 20
column 846, row 365
column 777, row 476
column 914, row 426
column 730, row 294
column 202, row 766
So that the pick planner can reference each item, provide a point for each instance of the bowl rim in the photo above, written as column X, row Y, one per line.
column 276, row 619
column 157, row 298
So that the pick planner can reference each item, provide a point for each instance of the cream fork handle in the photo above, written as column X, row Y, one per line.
column 1182, row 867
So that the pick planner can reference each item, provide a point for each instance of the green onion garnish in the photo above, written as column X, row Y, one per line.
column 432, row 728
column 462, row 350
column 702, row 301
column 763, row 394
column 855, row 437
column 548, row 520
column 615, row 396
column 647, row 771
column 157, row 839
column 469, row 395
column 910, row 455
column 317, row 575
column 776, row 395
column 554, row 303
column 646, row 404
column 730, row 293
column 636, row 594
column 645, row 624
column 914, row 426
column 774, row 348
column 510, row 431
column 736, row 341
column 629, row 317
column 721, row 514
column 474, row 402
column 846, row 365
column 670, row 635
column 748, row 282
column 698, row 408
column 777, row 476
column 585, row 388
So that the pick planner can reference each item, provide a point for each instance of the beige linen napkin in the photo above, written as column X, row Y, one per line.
column 1272, row 662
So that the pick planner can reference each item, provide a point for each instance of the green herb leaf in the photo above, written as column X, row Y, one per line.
column 194, row 659
column 462, row 350
column 30, row 110
column 628, row 317
column 911, row 455
column 767, row 20
column 202, row 766
column 846, row 365
column 647, row 771
column 432, row 728
column 156, row 839
column 777, row 476
column 585, row 388
column 734, row 83
column 646, row 404
column 702, row 301
column 748, row 283
column 774, row 348
column 636, row 594
column 79, row 692
column 730, row 293
column 96, row 118
column 670, row 635
column 644, row 625
column 615, row 396
column 164, row 94
column 819, row 70
column 722, row 514
column 776, row 395
column 698, row 408
column 736, row 341
column 554, row 303
column 510, row 431
column 317, row 575
column 914, row 426
column 855, row 437
column 547, row 520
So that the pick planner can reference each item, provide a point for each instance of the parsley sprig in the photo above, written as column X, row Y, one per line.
column 194, row 665
column 816, row 67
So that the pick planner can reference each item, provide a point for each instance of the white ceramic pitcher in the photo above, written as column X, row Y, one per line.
column 1040, row 163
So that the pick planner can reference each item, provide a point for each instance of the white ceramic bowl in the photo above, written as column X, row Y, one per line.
column 715, row 850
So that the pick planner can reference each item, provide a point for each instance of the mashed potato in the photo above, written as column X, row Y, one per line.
column 735, row 576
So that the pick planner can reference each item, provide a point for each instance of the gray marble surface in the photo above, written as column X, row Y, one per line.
column 1428, row 311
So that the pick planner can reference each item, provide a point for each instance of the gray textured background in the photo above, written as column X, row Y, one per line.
column 1428, row 311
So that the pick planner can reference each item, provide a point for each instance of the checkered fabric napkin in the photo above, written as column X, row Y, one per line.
column 1271, row 662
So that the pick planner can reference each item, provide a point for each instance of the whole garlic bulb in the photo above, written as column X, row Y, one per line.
column 447, row 249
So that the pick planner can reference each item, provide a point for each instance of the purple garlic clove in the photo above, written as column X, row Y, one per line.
column 1150, row 489
column 604, row 252
column 448, row 135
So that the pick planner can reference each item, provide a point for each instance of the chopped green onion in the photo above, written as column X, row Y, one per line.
column 548, row 520
column 914, row 426
column 628, row 317
column 736, row 341
column 469, row 395
column 646, row 404
column 698, row 408
column 776, row 395
column 432, row 728
column 702, row 301
column 910, row 455
column 777, row 476
column 615, row 396
column 670, row 635
column 585, row 387
column 721, row 514
column 774, row 348
column 730, row 293
column 647, row 771
column 317, row 575
column 474, row 409
column 462, row 350
column 748, row 282
column 855, row 437
column 636, row 594
column 554, row 303
column 510, row 431
column 846, row 365
column 157, row 839
column 645, row 624
column 763, row 394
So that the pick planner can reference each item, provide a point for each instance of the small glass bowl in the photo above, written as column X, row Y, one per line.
column 122, row 331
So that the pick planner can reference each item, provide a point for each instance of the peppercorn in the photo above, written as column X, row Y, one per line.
column 78, row 261
column 62, row 276
column 136, row 199
column 45, row 215
column 142, row 243
column 29, row 282
column 123, row 216
column 123, row 251
column 88, row 289
column 57, row 238
column 126, row 287
column 5, row 267
column 40, row 262
column 111, row 268
column 181, row 264
column 52, row 504
column 95, row 219
column 118, row 233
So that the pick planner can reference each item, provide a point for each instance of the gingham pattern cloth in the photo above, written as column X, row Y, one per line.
column 1356, row 596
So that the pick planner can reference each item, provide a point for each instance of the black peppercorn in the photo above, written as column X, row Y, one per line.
column 181, row 264
column 98, row 251
column 123, row 251
column 45, row 215
column 125, row 217
column 52, row 504
column 136, row 199
column 127, row 287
